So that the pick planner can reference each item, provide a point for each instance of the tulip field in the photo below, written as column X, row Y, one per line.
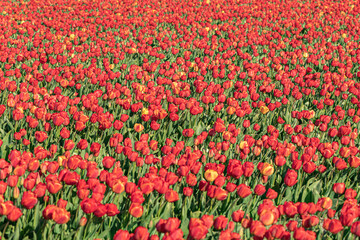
column 174, row 119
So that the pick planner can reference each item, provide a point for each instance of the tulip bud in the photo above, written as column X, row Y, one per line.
column 267, row 217
column 210, row 175
column 16, row 193
column 267, row 169
column 339, row 188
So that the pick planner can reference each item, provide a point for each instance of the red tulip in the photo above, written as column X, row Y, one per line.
column 136, row 210
column 29, row 200
column 15, row 214
column 290, row 178
column 141, row 233
column 243, row 191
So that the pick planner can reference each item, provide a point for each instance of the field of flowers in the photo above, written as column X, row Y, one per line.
column 174, row 119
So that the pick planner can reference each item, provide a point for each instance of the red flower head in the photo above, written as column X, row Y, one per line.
column 40, row 136
column 171, row 196
column 95, row 148
column 15, row 214
column 197, row 229
column 290, row 178
column 339, row 188
column 243, row 191
column 257, row 229
column 29, row 200
column 122, row 235
column 259, row 189
column 136, row 210
column 6, row 208
column 188, row 132
column 141, row 233
column 220, row 223
column 219, row 126
column 60, row 215
column 82, row 144
column 89, row 205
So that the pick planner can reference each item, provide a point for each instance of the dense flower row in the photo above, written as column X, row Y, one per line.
column 179, row 119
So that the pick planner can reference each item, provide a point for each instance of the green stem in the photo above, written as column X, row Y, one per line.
column 87, row 225
column 3, row 234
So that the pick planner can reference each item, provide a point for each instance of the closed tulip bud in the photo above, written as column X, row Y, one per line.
column 15, row 214
column 210, row 175
column 335, row 226
column 188, row 132
column 264, row 109
column 339, row 188
column 83, row 221
column 12, row 180
column 88, row 205
column 172, row 224
column 136, row 210
column 243, row 145
column 243, row 191
column 257, row 150
column 95, row 147
column 171, row 196
column 264, row 179
column 325, row 202
column 219, row 126
column 292, row 225
column 259, row 189
column 111, row 209
column 331, row 213
column 354, row 162
column 309, row 167
column 62, row 203
column 28, row 200
column 187, row 191
column 267, row 217
column 230, row 187
column 267, row 169
column 60, row 216
column 237, row 216
column 246, row 123
column 257, row 229
column 280, row 161
column 69, row 145
column 220, row 194
column 271, row 194
column 345, row 152
column 138, row 127
column 122, row 235
column 6, row 208
column 290, row 178
column 207, row 220
column 310, row 221
column 141, row 233
column 100, row 210
column 16, row 193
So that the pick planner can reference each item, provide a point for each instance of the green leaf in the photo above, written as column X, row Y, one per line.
column 195, row 214
column 5, row 140
column 57, row 229
column 199, row 128
column 167, row 211
column 36, row 215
